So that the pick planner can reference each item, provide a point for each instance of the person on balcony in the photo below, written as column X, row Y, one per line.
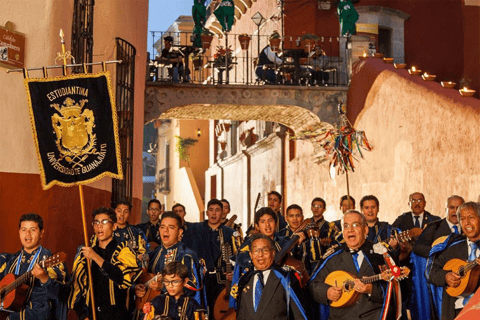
column 319, row 65
column 268, row 57
column 175, row 58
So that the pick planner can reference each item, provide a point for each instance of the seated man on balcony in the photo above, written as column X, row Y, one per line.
column 319, row 65
column 174, row 58
column 267, row 57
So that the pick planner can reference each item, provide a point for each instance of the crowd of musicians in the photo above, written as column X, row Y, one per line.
column 292, row 265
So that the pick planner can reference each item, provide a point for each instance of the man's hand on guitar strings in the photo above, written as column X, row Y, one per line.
column 334, row 293
column 452, row 279
column 361, row 287
column 140, row 290
column 39, row 273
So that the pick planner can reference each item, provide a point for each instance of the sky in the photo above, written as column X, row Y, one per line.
column 162, row 13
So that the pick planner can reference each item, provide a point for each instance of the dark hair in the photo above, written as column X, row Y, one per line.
column 367, row 198
column 168, row 38
column 321, row 200
column 276, row 194
column 225, row 200
column 124, row 202
column 177, row 268
column 178, row 205
column 259, row 236
column 294, row 206
column 154, row 201
column 108, row 211
column 173, row 215
column 345, row 197
column 263, row 211
column 213, row 202
column 31, row 217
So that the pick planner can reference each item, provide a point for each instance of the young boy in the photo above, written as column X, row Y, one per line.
column 174, row 304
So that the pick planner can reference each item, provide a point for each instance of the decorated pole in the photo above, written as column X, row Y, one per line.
column 64, row 56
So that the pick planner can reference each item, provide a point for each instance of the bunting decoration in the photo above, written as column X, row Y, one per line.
column 74, row 124
column 342, row 145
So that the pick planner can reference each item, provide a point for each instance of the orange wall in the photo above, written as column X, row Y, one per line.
column 441, row 36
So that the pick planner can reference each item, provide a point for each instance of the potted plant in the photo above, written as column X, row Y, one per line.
column 206, row 37
column 275, row 40
column 196, row 61
column 308, row 41
column 244, row 41
column 222, row 54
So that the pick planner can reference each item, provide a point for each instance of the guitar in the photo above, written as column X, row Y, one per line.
column 231, row 221
column 221, row 310
column 147, row 278
column 284, row 258
column 350, row 296
column 470, row 273
column 406, row 236
column 13, row 288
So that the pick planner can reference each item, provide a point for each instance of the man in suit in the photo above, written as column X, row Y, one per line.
column 357, row 257
column 460, row 247
column 414, row 300
column 268, row 291
column 418, row 217
column 439, row 228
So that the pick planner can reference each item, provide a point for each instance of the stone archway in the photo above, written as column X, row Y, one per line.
column 296, row 107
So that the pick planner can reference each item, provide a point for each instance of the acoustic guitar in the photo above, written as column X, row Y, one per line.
column 147, row 278
column 406, row 236
column 469, row 273
column 13, row 288
column 345, row 281
column 221, row 309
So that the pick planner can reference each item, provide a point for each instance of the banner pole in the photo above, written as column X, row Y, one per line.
column 89, row 268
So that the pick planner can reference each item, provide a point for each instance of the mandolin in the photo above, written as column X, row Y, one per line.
column 470, row 273
column 346, row 280
column 406, row 236
column 147, row 278
column 13, row 288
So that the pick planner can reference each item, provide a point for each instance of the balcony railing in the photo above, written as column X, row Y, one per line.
column 204, row 66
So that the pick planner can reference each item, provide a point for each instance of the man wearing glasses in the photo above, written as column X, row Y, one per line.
column 358, row 258
column 150, row 228
column 418, row 217
column 114, row 270
column 268, row 291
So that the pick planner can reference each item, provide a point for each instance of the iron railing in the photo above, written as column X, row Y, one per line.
column 82, row 33
column 203, row 66
column 125, row 80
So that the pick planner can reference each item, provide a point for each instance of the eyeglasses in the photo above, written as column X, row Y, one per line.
column 96, row 223
column 317, row 206
column 416, row 200
column 172, row 283
column 154, row 209
column 354, row 225
column 264, row 251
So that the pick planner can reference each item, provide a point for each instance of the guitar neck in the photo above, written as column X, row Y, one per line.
column 469, row 266
column 150, row 281
column 15, row 284
column 371, row 279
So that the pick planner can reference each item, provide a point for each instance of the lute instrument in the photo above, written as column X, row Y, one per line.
column 147, row 278
column 469, row 273
column 13, row 288
column 345, row 281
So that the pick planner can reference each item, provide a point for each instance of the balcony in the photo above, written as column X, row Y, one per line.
column 208, row 66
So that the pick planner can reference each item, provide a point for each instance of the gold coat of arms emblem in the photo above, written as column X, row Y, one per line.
column 73, row 126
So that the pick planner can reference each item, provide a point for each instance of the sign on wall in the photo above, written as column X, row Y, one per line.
column 12, row 47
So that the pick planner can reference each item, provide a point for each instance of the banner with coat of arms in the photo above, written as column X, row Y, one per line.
column 74, row 124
